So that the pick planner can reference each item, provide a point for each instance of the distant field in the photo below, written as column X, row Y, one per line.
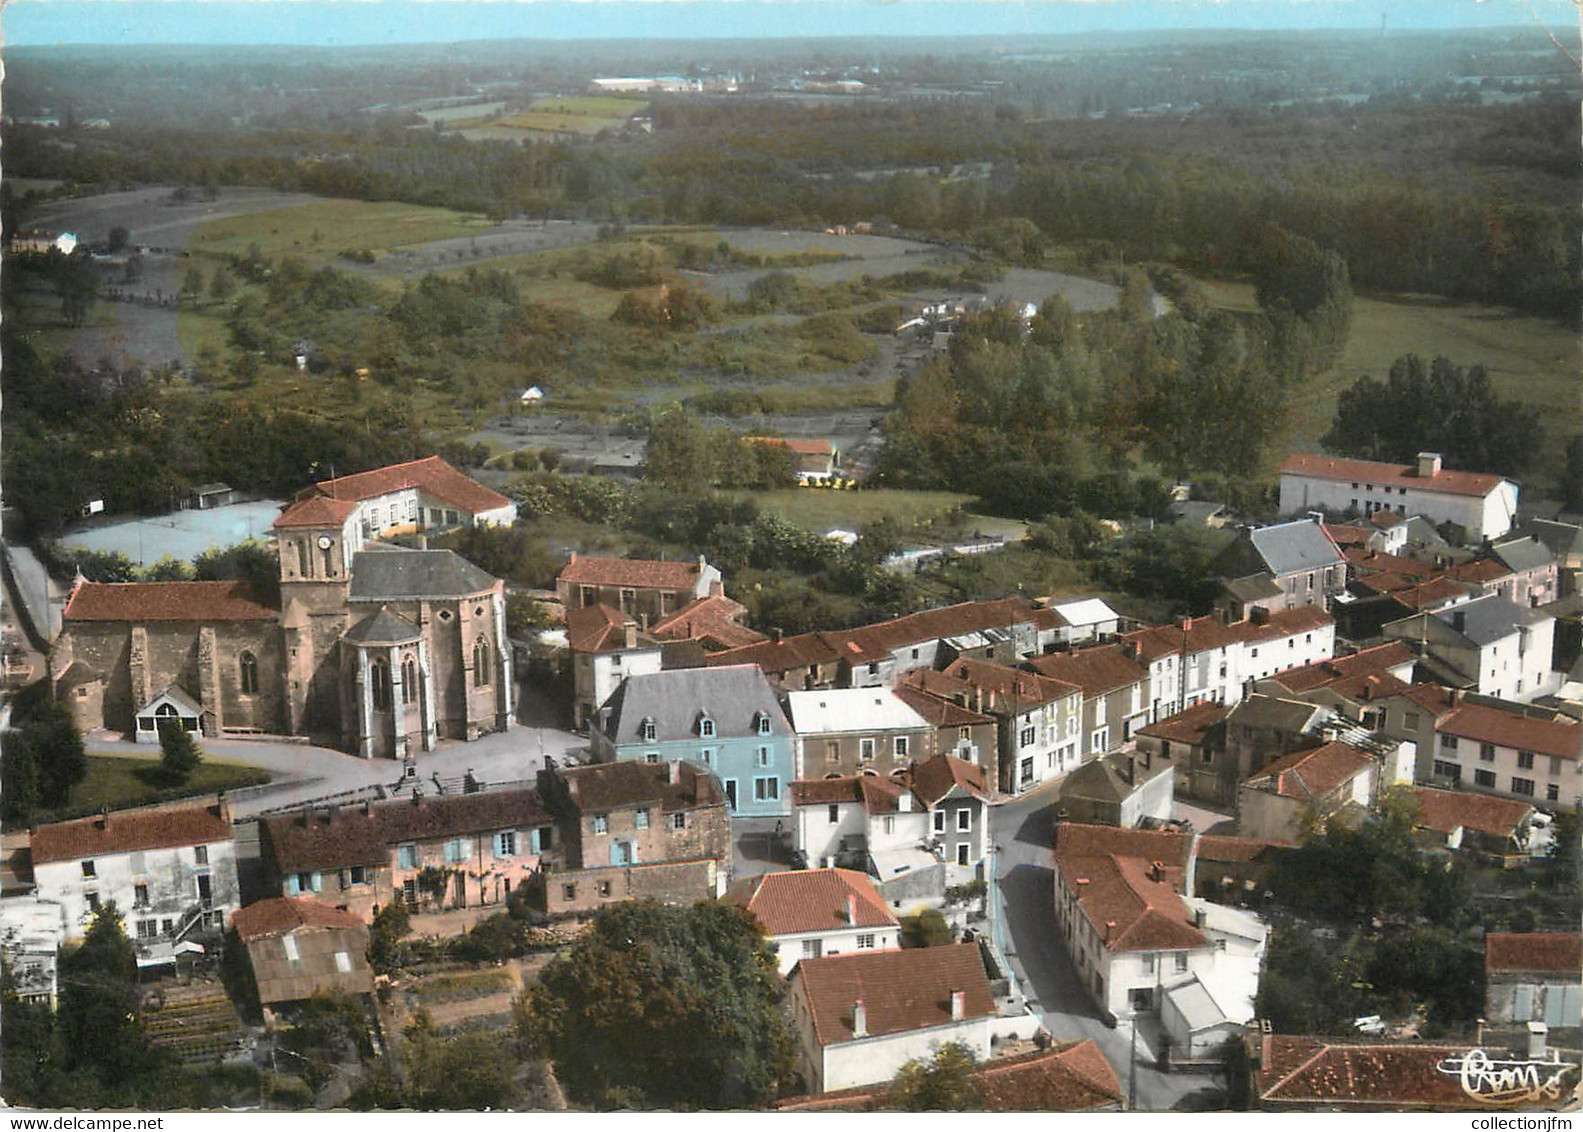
column 450, row 115
column 577, row 114
column 820, row 509
column 1532, row 359
column 320, row 231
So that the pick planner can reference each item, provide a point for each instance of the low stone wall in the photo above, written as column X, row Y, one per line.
column 585, row 890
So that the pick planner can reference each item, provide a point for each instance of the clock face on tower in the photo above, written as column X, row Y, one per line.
column 325, row 542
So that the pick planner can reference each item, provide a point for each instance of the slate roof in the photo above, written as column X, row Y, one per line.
column 1254, row 587
column 610, row 786
column 1314, row 773
column 1288, row 548
column 1556, row 953
column 1524, row 554
column 1564, row 540
column 1132, row 905
column 1447, row 482
column 130, row 831
column 1105, row 779
column 733, row 696
column 432, row 475
column 281, row 914
column 165, row 601
column 833, row 711
column 1260, row 710
column 382, row 628
column 1096, row 671
column 813, row 900
column 936, row 777
column 1447, row 810
column 635, row 573
column 315, row 511
column 1319, row 1071
column 1188, row 726
column 1485, row 724
column 411, row 575
column 318, row 839
column 903, row 990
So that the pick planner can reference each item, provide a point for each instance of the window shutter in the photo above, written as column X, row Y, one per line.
column 316, row 882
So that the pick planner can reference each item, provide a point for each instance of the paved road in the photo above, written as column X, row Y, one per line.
column 1022, row 831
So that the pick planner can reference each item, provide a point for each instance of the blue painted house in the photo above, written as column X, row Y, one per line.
column 725, row 720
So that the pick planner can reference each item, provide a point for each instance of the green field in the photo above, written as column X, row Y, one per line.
column 576, row 114
column 1532, row 359
column 820, row 509
column 321, row 231
column 117, row 782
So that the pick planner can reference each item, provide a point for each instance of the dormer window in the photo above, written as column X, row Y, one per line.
column 649, row 730
column 706, row 727
column 764, row 723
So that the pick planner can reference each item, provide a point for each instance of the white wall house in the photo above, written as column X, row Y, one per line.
column 1484, row 505
column 170, row 870
column 814, row 913
column 1040, row 719
column 1495, row 647
column 1532, row 759
column 860, row 1017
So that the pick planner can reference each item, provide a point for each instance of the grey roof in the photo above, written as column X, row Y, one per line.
column 1524, row 554
column 1290, row 547
column 1259, row 710
column 733, row 696
column 1105, row 779
column 1565, row 540
column 383, row 628
column 1255, row 587
column 1420, row 530
column 1487, row 619
column 1194, row 511
column 407, row 575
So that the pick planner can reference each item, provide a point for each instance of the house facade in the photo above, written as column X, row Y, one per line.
column 839, row 821
column 1487, row 645
column 845, row 731
column 1533, row 977
column 298, row 948
column 606, row 647
column 1040, row 720
column 647, row 590
column 1484, row 506
column 814, row 913
column 1298, row 558
column 1115, row 687
column 1280, row 801
column 1536, row 759
column 1122, row 788
column 422, row 495
column 169, row 870
column 724, row 721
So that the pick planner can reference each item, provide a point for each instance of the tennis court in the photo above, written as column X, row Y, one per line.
column 182, row 534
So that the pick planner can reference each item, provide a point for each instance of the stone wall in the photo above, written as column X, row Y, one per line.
column 586, row 890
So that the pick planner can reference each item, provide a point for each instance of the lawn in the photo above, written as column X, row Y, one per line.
column 320, row 231
column 117, row 782
column 576, row 114
column 820, row 509
column 1532, row 359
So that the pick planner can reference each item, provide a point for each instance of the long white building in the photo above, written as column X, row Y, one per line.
column 1484, row 505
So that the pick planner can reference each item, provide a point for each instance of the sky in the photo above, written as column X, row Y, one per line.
column 31, row 23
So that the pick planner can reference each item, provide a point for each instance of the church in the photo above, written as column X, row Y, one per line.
column 375, row 648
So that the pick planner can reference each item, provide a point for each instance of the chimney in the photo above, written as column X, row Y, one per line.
column 1538, row 1034
column 1259, row 615
column 859, row 1020
column 1110, row 926
column 1428, row 464
column 1459, row 620
column 102, row 819
column 1199, row 918
column 701, row 562
column 673, row 771
column 978, row 700
column 1187, row 624
column 959, row 1005
column 851, row 908
column 777, row 634
column 629, row 634
column 368, row 810
column 470, row 783
column 1157, row 871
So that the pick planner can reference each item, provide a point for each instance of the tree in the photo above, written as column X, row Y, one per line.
column 681, row 452
column 19, row 772
column 78, row 289
column 1572, row 475
column 192, row 282
column 943, row 1083
column 98, row 1001
column 119, row 237
column 58, row 751
column 221, row 285
column 179, row 755
column 385, row 936
column 659, row 1006
column 472, row 1071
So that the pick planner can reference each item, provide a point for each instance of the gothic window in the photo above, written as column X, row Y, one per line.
column 481, row 662
column 379, row 680
column 247, row 665
column 409, row 679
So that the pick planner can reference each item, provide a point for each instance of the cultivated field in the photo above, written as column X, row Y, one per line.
column 320, row 231
column 575, row 114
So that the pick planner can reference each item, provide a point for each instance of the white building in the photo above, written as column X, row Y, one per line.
column 846, row 729
column 1040, row 718
column 422, row 495
column 1483, row 505
column 1488, row 645
column 1533, row 759
column 31, row 932
column 169, row 870
column 815, row 913
column 1085, row 620
column 606, row 648
column 860, row 1017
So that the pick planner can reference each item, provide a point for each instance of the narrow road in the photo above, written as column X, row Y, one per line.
column 1023, row 831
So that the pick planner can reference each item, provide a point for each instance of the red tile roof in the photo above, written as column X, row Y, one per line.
column 1237, row 850
column 1313, row 773
column 636, row 573
column 281, row 914
column 1480, row 571
column 815, row 447
column 1364, row 662
column 1302, row 1070
column 938, row 710
column 1559, row 736
column 1023, row 689
column 316, row 511
column 1556, row 953
column 1433, row 698
column 597, row 628
column 901, row 991
column 805, row 650
column 1429, row 595
column 715, row 620
column 1188, row 726
column 1127, row 883
column 815, row 900
column 129, row 831
column 165, row 601
column 1378, row 562
column 432, row 475
column 1388, row 475
column 936, row 777
column 1447, row 810
column 1096, row 670
column 878, row 795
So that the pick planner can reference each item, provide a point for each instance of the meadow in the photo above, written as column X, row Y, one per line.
column 117, row 782
column 318, row 233
column 575, row 114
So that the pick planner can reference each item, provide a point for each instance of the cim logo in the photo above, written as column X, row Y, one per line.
column 1503, row 1083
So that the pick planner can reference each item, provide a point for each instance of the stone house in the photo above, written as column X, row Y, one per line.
column 1487, row 645
column 1483, row 506
column 1122, row 788
column 1302, row 1073
column 1189, row 742
column 725, row 721
column 715, row 622
column 1258, row 730
column 819, row 912
column 628, row 830
column 1234, row 869
column 298, row 948
column 1309, row 786
column 956, row 795
column 170, row 871
column 1533, row 977
column 961, row 732
column 433, row 853
column 839, row 821
column 1458, row 820
column 1534, row 577
column 860, row 1017
column 643, row 589
column 1565, row 543
column 844, row 731
column 1298, row 557
column 421, row 495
